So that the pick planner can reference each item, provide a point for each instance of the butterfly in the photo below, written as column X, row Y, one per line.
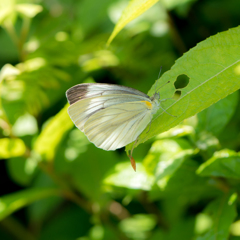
column 111, row 116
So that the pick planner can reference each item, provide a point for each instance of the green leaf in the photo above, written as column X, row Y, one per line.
column 235, row 229
column 165, row 157
column 170, row 4
column 85, row 164
column 138, row 226
column 25, row 125
column 52, row 134
column 124, row 176
column 69, row 223
column 225, row 163
column 11, row 148
column 182, row 230
column 13, row 202
column 22, row 170
column 180, row 130
column 85, row 10
column 203, row 223
column 132, row 11
column 29, row 10
column 8, row 71
column 215, row 118
column 33, row 86
column 7, row 11
column 213, row 69
column 222, row 213
column 186, row 185
column 206, row 141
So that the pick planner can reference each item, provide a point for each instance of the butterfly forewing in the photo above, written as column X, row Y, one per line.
column 89, row 90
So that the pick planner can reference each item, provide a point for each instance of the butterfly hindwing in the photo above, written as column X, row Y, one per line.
column 117, row 125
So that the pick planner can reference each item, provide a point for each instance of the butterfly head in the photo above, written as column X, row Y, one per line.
column 155, row 97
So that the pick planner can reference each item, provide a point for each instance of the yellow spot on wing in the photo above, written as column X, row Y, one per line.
column 149, row 105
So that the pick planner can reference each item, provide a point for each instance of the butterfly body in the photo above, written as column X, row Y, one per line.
column 111, row 116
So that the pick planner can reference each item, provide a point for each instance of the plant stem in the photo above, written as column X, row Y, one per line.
column 23, row 36
column 176, row 38
column 66, row 189
column 16, row 229
column 13, row 35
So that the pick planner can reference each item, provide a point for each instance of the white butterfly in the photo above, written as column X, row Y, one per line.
column 111, row 116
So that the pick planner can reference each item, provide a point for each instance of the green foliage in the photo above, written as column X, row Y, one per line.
column 46, row 143
column 15, row 201
column 132, row 11
column 11, row 148
column 223, row 213
column 208, row 67
column 58, row 185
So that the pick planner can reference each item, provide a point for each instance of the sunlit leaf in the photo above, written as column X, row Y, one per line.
column 132, row 11
column 165, row 157
column 29, row 87
column 25, row 125
column 222, row 213
column 209, row 66
column 11, row 147
column 29, row 10
column 138, row 225
column 235, row 228
column 8, row 72
column 225, row 163
column 124, row 176
column 203, row 223
column 52, row 134
column 176, row 132
column 15, row 201
column 7, row 11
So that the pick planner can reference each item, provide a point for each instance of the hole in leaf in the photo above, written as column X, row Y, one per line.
column 177, row 95
column 182, row 81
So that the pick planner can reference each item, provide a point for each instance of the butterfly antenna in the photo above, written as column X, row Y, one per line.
column 158, row 78
column 163, row 85
column 159, row 72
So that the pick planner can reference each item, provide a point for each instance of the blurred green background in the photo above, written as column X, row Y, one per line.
column 57, row 185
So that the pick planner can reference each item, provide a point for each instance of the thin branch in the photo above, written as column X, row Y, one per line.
column 176, row 38
column 16, row 229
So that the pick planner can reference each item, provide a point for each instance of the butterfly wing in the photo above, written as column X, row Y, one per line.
column 81, row 110
column 89, row 98
column 110, row 115
column 117, row 125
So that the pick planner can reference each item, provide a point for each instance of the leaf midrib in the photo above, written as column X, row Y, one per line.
column 198, row 87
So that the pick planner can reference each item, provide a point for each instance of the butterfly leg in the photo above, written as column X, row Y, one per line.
column 164, row 109
column 150, row 124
